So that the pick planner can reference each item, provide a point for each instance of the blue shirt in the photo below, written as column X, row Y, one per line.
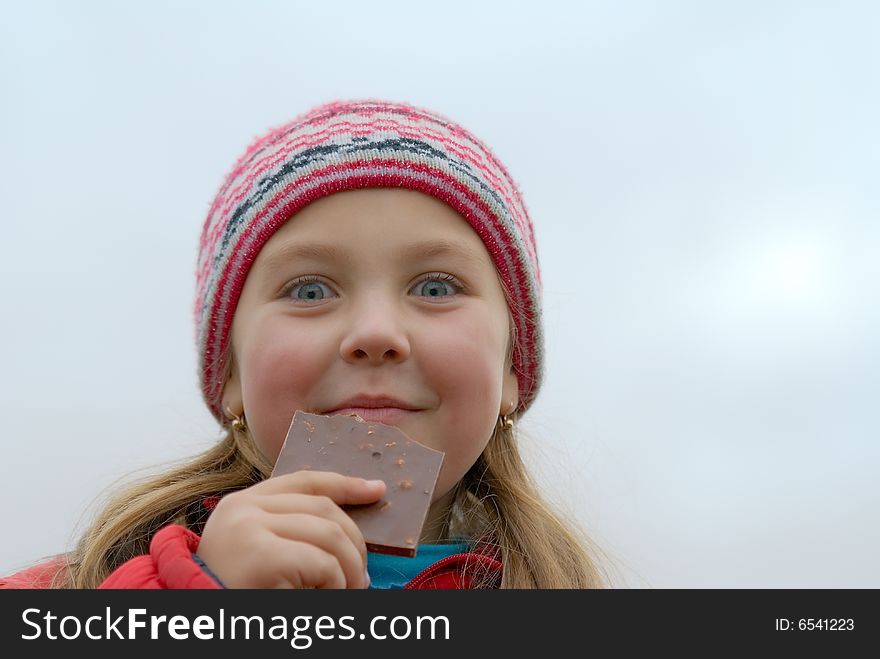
column 387, row 571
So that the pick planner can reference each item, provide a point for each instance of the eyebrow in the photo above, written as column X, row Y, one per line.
column 334, row 254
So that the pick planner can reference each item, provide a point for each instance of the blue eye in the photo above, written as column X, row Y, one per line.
column 437, row 285
column 308, row 289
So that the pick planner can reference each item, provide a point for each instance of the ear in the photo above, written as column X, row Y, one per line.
column 509, row 393
column 232, row 398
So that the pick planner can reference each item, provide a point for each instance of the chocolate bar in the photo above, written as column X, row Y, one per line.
column 351, row 446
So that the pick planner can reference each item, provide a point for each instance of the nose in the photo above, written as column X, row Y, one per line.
column 376, row 335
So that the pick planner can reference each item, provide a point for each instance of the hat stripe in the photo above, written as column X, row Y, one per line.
column 307, row 160
column 316, row 127
column 270, row 158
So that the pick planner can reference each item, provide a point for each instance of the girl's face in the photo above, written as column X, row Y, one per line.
column 377, row 293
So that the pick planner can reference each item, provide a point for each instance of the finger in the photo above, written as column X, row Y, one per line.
column 318, row 506
column 306, row 566
column 326, row 535
column 341, row 489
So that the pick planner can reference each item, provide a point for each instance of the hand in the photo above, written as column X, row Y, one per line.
column 290, row 532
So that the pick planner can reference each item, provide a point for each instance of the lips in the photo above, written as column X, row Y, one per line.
column 367, row 401
column 381, row 409
column 389, row 415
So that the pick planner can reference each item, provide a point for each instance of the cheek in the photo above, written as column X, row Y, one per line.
column 466, row 356
column 277, row 376
column 465, row 367
column 461, row 368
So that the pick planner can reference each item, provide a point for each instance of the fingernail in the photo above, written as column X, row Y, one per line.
column 367, row 578
column 375, row 483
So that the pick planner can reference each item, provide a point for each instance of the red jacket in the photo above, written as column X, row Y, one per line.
column 170, row 564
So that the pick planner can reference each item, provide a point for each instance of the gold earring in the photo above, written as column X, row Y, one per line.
column 239, row 423
column 505, row 422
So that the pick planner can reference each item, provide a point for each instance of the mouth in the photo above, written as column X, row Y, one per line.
column 388, row 415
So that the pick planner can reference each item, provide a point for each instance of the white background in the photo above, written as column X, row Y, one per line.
column 703, row 179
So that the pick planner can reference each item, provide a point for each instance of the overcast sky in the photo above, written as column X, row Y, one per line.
column 703, row 180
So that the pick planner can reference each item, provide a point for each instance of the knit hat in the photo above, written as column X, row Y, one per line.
column 362, row 144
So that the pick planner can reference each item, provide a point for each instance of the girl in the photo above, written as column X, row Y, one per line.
column 371, row 258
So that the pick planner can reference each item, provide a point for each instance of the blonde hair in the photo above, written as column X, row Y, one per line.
column 498, row 500
column 126, row 525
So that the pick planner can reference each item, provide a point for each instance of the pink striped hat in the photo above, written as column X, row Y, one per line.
column 362, row 144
